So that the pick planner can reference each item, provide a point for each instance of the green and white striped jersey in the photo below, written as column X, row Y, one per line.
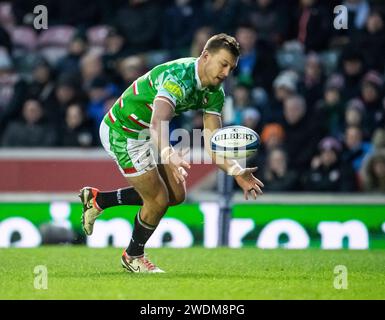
column 177, row 81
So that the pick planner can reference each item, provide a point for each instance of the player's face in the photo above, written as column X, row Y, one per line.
column 217, row 66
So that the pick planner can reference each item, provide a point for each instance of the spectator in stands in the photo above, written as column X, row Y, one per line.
column 77, row 48
column 91, row 67
column 257, row 65
column 200, row 38
column 129, row 69
column 42, row 85
column 314, row 25
column 352, row 65
column 13, row 90
column 285, row 86
column 181, row 20
column 358, row 12
column 373, row 173
column 330, row 110
column 354, row 114
column 302, row 133
column 67, row 91
column 77, row 130
column 313, row 80
column 355, row 148
column 100, row 90
column 222, row 15
column 242, row 101
column 252, row 119
column 371, row 95
column 272, row 137
column 268, row 18
column 378, row 140
column 371, row 42
column 327, row 172
column 32, row 130
column 115, row 50
column 277, row 176
column 140, row 21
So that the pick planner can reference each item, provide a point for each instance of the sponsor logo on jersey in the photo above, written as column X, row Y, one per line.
column 173, row 88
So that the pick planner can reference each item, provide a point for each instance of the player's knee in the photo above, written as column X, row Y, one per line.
column 177, row 200
column 178, row 197
column 161, row 200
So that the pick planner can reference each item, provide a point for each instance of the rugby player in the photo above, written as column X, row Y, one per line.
column 152, row 100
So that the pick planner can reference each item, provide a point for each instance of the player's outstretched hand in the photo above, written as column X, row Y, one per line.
column 249, row 183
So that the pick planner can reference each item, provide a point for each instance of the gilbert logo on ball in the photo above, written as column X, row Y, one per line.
column 235, row 142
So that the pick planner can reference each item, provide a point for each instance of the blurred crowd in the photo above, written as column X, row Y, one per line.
column 315, row 94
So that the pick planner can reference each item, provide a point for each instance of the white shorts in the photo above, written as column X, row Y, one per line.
column 134, row 157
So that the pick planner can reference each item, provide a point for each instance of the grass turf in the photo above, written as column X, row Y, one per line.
column 78, row 272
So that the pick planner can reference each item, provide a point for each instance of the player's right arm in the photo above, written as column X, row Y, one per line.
column 161, row 117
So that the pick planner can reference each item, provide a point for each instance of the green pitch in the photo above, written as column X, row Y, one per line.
column 82, row 273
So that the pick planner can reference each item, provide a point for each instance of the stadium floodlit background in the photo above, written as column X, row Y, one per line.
column 314, row 93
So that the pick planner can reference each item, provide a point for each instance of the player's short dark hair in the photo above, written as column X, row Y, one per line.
column 223, row 41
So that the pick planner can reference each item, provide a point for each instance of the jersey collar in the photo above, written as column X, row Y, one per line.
column 199, row 83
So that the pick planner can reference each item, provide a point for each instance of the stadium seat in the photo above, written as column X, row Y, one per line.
column 56, row 36
column 53, row 42
column 24, row 38
column 97, row 34
column 6, row 15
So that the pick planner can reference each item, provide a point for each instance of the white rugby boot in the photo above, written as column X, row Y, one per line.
column 91, row 209
column 138, row 264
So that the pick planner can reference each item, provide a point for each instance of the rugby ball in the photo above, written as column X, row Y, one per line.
column 235, row 142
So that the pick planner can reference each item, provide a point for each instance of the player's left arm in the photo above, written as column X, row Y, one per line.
column 243, row 176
